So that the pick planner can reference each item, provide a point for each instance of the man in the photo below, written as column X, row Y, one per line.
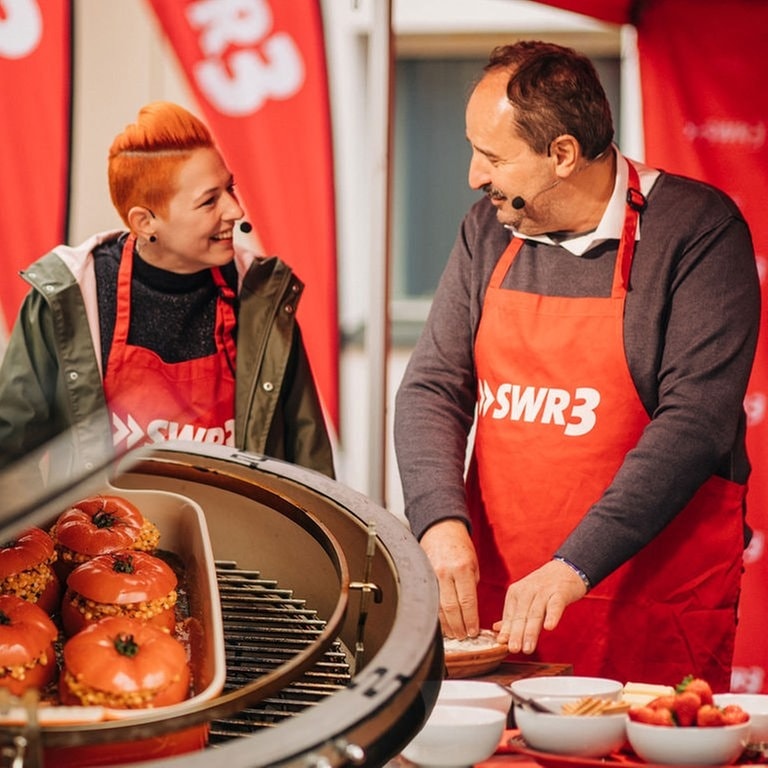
column 596, row 323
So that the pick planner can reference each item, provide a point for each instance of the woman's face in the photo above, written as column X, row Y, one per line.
column 196, row 231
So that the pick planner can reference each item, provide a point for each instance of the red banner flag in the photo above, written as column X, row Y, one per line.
column 258, row 70
column 701, row 70
column 35, row 103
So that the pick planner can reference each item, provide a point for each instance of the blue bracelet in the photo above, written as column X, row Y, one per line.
column 583, row 576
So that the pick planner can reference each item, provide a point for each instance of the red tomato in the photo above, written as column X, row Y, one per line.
column 124, row 663
column 50, row 597
column 27, row 635
column 127, row 579
column 33, row 551
column 99, row 524
column 29, row 548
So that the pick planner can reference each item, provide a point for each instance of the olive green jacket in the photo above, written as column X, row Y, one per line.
column 51, row 373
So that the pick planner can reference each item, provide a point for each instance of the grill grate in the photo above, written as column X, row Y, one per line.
column 264, row 627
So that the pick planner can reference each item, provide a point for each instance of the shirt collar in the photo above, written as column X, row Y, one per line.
column 612, row 222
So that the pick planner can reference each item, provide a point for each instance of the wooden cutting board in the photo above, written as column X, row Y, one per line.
column 509, row 671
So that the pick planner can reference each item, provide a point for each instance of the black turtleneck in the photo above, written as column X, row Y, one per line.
column 172, row 314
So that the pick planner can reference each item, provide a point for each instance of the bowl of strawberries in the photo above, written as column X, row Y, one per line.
column 687, row 727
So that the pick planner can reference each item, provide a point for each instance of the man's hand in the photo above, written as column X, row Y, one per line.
column 450, row 551
column 537, row 602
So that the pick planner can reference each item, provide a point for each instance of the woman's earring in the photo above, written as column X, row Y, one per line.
column 152, row 239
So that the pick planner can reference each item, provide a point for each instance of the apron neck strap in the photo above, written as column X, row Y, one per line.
column 636, row 204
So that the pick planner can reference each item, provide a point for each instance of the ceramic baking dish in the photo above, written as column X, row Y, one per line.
column 184, row 533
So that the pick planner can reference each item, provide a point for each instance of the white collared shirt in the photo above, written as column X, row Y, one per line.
column 612, row 222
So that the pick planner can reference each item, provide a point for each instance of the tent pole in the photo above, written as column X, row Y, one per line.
column 377, row 336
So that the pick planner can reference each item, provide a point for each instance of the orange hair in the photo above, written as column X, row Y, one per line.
column 145, row 157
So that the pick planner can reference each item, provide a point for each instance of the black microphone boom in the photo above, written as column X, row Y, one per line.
column 518, row 202
column 245, row 226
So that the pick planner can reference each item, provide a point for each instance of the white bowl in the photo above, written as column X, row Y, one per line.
column 756, row 705
column 575, row 735
column 474, row 693
column 456, row 737
column 568, row 687
column 719, row 745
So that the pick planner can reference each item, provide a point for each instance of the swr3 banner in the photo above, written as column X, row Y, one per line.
column 35, row 104
column 257, row 68
column 700, row 67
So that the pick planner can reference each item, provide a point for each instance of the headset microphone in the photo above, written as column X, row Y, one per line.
column 518, row 202
column 245, row 226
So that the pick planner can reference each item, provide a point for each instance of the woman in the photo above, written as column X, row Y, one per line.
column 166, row 331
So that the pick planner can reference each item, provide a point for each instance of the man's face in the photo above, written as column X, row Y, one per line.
column 503, row 165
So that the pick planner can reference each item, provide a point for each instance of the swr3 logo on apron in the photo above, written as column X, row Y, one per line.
column 150, row 400
column 159, row 430
column 546, row 405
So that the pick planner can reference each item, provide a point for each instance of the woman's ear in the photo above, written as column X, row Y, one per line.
column 141, row 221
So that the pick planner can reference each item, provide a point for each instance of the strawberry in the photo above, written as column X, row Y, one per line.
column 649, row 716
column 709, row 716
column 663, row 702
column 641, row 714
column 685, row 707
column 733, row 713
column 696, row 685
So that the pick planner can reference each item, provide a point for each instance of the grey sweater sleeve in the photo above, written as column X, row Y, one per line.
column 691, row 322
column 435, row 403
column 692, row 319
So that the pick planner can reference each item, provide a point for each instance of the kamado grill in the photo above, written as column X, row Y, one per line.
column 332, row 647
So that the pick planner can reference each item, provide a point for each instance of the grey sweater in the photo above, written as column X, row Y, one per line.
column 690, row 331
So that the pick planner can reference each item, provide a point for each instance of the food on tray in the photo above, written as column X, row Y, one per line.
column 124, row 664
column 689, row 704
column 26, row 569
column 27, row 656
column 101, row 524
column 94, row 684
column 128, row 583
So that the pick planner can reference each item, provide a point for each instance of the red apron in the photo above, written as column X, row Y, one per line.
column 150, row 400
column 557, row 413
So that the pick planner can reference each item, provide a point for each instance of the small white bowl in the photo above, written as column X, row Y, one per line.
column 668, row 745
column 756, row 705
column 474, row 693
column 568, row 687
column 456, row 737
column 574, row 735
